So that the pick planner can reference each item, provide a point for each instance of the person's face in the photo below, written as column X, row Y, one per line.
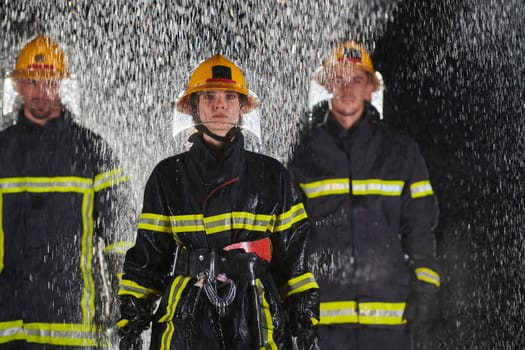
column 41, row 99
column 219, row 110
column 351, row 87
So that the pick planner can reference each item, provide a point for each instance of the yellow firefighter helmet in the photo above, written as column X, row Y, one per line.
column 348, row 53
column 41, row 58
column 216, row 73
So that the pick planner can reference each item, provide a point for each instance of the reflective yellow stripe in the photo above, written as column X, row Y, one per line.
column 237, row 220
column 127, row 287
column 2, row 234
column 177, row 287
column 109, row 178
column 361, row 187
column 154, row 222
column 428, row 275
column 88, row 295
column 421, row 189
column 377, row 187
column 64, row 184
column 165, row 342
column 118, row 247
column 46, row 184
column 369, row 313
column 285, row 220
column 49, row 333
column 300, row 284
column 171, row 224
column 266, row 319
column 326, row 187
column 381, row 313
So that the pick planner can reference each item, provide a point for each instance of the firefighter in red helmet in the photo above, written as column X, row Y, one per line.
column 373, row 210
column 221, row 237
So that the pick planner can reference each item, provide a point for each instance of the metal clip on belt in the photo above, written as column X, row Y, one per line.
column 210, row 288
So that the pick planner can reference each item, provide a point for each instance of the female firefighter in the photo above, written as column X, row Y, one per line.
column 221, row 237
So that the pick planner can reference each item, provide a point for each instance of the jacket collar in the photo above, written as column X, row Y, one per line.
column 54, row 125
column 217, row 169
column 360, row 132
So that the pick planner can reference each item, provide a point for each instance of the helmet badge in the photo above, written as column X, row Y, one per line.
column 221, row 74
column 352, row 55
column 40, row 58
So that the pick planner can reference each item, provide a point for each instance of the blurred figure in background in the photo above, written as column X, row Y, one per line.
column 373, row 212
column 61, row 191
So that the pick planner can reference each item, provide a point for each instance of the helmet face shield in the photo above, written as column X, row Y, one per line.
column 347, row 55
column 214, row 75
column 41, row 61
column 249, row 122
column 68, row 93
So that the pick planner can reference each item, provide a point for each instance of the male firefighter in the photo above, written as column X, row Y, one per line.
column 221, row 237
column 373, row 211
column 59, row 186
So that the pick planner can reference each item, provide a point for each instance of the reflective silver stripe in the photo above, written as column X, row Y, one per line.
column 371, row 313
column 266, row 318
column 285, row 220
column 45, row 184
column 428, row 275
column 128, row 287
column 326, row 187
column 154, row 222
column 177, row 287
column 300, row 284
column 421, row 189
column 222, row 222
column 49, row 333
column 339, row 186
column 88, row 295
column 377, row 187
column 109, row 178
column 237, row 220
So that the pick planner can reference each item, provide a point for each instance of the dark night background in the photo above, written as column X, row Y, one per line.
column 455, row 76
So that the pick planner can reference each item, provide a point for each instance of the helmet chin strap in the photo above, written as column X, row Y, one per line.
column 228, row 137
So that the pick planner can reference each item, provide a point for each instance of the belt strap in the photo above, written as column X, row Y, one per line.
column 234, row 264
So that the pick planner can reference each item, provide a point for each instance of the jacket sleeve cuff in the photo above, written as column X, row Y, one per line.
column 128, row 287
column 427, row 275
column 299, row 284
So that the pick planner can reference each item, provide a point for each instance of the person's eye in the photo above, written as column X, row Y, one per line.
column 231, row 97
column 207, row 97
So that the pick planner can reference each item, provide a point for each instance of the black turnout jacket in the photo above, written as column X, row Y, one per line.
column 372, row 212
column 58, row 203
column 199, row 202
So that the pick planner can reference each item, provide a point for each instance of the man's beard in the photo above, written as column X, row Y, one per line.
column 41, row 109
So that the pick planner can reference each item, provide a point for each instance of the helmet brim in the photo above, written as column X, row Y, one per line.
column 324, row 74
column 183, row 103
column 38, row 74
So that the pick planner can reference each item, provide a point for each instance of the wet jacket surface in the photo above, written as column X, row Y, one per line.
column 371, row 207
column 203, row 203
column 57, row 200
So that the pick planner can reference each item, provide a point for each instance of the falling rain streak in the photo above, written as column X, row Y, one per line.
column 454, row 81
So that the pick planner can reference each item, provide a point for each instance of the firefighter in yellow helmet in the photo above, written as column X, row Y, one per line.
column 373, row 211
column 58, row 194
column 221, row 237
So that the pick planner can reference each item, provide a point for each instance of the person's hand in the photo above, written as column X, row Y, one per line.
column 303, row 312
column 423, row 306
column 135, row 317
